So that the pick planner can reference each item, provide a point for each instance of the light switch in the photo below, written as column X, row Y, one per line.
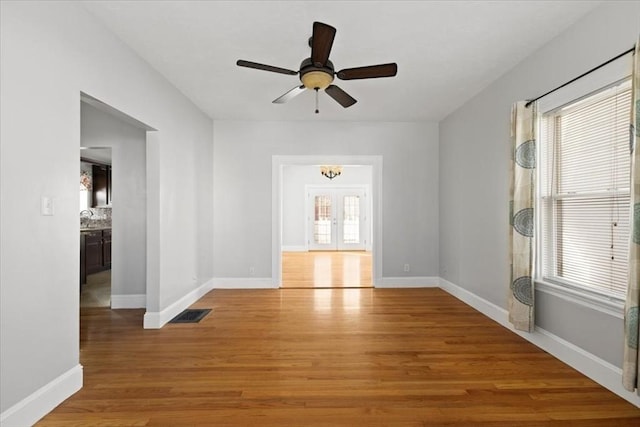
column 46, row 204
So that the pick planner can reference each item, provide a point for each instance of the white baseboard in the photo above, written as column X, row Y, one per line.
column 39, row 403
column 157, row 319
column 129, row 301
column 243, row 283
column 599, row 370
column 485, row 307
column 408, row 282
column 294, row 248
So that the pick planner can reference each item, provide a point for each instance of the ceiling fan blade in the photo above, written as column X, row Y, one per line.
column 249, row 64
column 289, row 95
column 342, row 97
column 369, row 72
column 321, row 43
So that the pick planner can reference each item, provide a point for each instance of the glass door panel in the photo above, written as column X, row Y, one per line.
column 322, row 220
column 351, row 219
column 336, row 219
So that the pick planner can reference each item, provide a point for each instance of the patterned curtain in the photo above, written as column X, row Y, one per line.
column 521, row 230
column 630, row 374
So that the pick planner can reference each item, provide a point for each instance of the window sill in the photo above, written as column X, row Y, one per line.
column 608, row 305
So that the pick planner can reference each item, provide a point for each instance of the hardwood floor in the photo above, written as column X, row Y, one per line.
column 326, row 357
column 326, row 269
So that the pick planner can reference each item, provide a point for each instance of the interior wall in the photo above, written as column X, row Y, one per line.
column 242, row 188
column 474, row 180
column 50, row 53
column 129, row 212
column 295, row 178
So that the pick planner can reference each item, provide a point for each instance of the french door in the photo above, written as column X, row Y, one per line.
column 337, row 219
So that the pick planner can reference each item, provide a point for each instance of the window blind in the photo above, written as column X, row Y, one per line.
column 585, row 167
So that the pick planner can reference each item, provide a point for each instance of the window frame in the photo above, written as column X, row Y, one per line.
column 609, row 76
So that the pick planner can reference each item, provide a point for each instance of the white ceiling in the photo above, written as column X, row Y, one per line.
column 446, row 51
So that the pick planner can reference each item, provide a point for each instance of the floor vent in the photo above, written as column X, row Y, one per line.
column 191, row 315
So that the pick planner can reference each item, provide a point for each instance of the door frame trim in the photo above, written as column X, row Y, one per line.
column 277, row 164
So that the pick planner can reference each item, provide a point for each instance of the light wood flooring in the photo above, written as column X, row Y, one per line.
column 326, row 357
column 326, row 269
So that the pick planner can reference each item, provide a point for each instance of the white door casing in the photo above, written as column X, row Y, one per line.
column 375, row 197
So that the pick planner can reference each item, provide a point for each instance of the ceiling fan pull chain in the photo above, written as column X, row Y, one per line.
column 317, row 111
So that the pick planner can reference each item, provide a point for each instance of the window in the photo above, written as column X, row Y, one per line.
column 584, row 192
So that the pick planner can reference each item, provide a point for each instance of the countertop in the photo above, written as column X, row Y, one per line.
column 95, row 229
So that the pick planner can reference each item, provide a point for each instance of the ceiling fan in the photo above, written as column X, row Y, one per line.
column 317, row 72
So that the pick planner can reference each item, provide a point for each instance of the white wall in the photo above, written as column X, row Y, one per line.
column 474, row 187
column 129, row 212
column 295, row 178
column 243, row 195
column 51, row 52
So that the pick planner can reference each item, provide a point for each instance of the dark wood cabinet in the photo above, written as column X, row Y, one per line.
column 101, row 194
column 106, row 248
column 83, row 259
column 95, row 252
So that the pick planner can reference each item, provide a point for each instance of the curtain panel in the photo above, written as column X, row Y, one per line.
column 521, row 227
column 630, row 374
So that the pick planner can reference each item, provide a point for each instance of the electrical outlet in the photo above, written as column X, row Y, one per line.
column 252, row 271
column 406, row 267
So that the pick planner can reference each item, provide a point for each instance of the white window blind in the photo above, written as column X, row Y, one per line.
column 584, row 187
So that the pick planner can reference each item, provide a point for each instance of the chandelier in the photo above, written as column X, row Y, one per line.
column 330, row 171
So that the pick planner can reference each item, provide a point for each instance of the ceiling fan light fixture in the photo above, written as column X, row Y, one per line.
column 316, row 79
column 317, row 71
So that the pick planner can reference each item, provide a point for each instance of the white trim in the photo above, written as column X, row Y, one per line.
column 601, row 304
column 485, row 307
column 294, row 248
column 129, row 301
column 243, row 283
column 39, row 403
column 599, row 370
column 157, row 319
column 409, row 282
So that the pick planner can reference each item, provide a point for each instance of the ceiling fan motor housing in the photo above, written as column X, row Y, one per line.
column 313, row 77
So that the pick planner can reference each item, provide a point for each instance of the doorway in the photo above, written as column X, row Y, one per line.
column 325, row 231
column 95, row 226
column 120, row 201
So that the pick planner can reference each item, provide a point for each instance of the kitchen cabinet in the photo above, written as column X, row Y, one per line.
column 95, row 252
column 101, row 176
column 106, row 248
